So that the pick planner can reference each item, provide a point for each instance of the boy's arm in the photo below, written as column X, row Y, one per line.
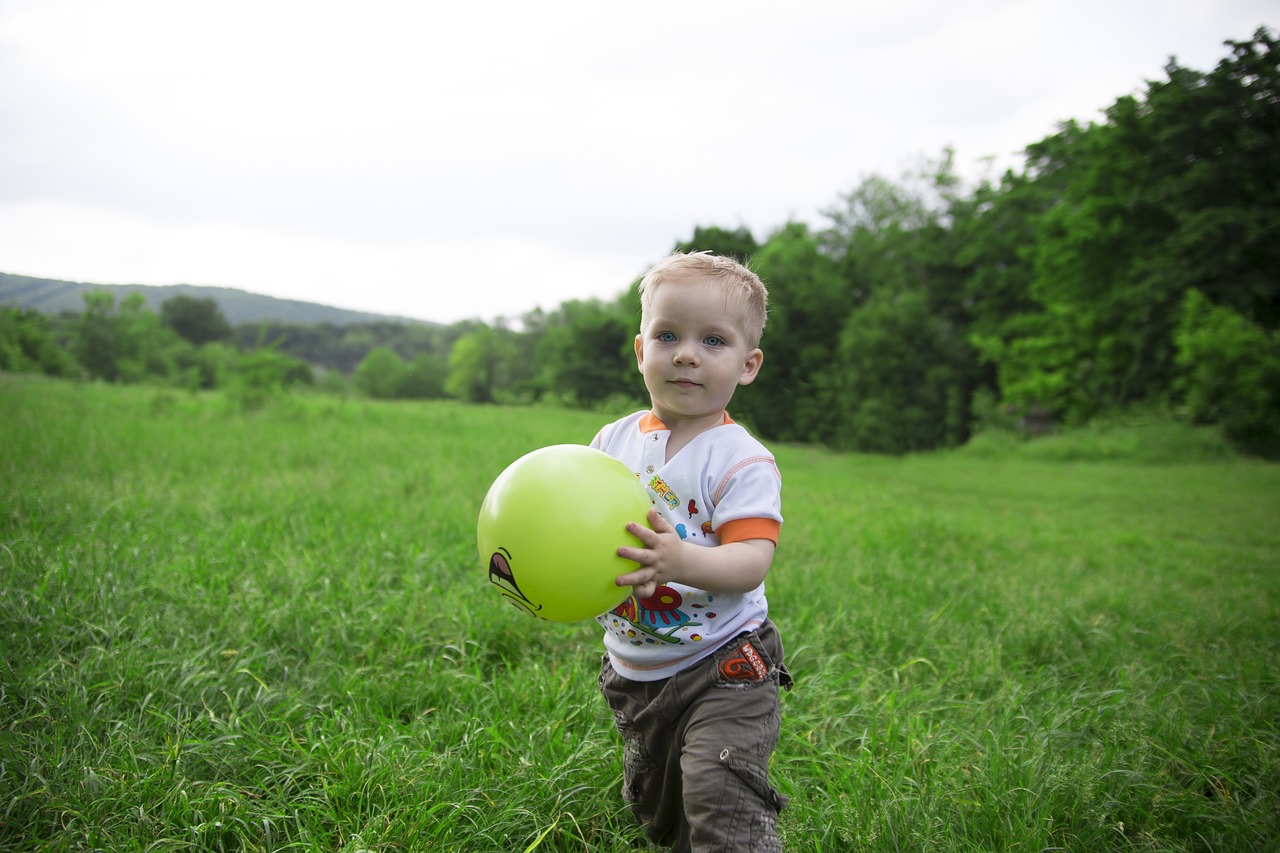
column 731, row 567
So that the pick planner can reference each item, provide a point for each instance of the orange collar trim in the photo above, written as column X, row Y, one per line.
column 650, row 423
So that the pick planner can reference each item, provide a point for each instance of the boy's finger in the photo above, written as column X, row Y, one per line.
column 634, row 578
column 645, row 535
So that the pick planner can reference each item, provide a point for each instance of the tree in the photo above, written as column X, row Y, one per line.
column 476, row 365
column 94, row 343
column 128, row 344
column 27, row 345
column 1177, row 190
column 1230, row 373
column 381, row 374
column 263, row 374
column 198, row 321
column 586, row 354
column 993, row 231
column 1215, row 148
column 795, row 398
column 905, row 371
column 902, row 377
column 738, row 243
column 425, row 377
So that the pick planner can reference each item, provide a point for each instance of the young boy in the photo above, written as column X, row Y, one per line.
column 693, row 663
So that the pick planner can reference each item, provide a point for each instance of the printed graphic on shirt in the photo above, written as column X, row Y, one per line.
column 660, row 618
column 664, row 492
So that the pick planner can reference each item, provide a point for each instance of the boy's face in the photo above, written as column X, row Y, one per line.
column 692, row 352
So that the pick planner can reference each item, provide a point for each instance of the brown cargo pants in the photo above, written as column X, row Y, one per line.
column 697, row 746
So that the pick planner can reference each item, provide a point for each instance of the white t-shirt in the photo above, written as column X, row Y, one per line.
column 723, row 486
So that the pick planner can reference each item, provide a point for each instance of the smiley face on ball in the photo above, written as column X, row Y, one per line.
column 500, row 574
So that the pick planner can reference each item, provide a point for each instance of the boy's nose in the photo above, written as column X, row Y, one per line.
column 685, row 356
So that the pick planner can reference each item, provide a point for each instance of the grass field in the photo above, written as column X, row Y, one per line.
column 270, row 631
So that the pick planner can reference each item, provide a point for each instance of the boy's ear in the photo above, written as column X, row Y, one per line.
column 751, row 367
column 639, row 352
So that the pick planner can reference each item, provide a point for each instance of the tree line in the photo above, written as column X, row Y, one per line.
column 1130, row 262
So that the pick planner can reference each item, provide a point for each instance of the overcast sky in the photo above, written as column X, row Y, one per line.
column 468, row 159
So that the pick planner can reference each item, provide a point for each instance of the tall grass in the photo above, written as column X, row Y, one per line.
column 270, row 631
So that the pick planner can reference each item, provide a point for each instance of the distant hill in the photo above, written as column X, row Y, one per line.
column 50, row 296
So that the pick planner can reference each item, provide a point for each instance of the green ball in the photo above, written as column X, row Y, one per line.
column 550, row 528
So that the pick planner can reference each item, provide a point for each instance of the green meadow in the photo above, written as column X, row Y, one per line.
column 269, row 630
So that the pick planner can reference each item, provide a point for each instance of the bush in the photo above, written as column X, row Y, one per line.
column 380, row 374
column 1230, row 374
column 263, row 375
column 424, row 378
column 27, row 345
column 208, row 366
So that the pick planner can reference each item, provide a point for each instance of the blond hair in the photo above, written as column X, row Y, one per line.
column 744, row 292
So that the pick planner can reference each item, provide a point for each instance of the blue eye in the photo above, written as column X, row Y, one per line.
column 713, row 341
column 665, row 337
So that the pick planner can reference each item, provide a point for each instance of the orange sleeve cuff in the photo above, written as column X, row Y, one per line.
column 742, row 529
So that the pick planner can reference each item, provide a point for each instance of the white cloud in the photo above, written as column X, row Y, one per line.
column 421, row 278
column 299, row 148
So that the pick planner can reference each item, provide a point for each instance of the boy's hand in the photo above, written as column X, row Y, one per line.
column 659, row 559
column 665, row 558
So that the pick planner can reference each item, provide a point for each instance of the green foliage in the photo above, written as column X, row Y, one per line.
column 27, row 345
column 384, row 375
column 263, row 375
column 130, row 344
column 272, row 632
column 380, row 374
column 1043, row 360
column 1175, row 191
column 737, row 243
column 424, row 377
column 197, row 321
column 905, row 368
column 342, row 347
column 126, row 343
column 1230, row 373
column 477, row 364
column 209, row 366
column 95, row 341
column 1214, row 168
column 902, row 390
column 587, row 352
column 797, row 396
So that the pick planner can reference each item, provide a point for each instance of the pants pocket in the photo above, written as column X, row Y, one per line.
column 753, row 776
column 736, row 807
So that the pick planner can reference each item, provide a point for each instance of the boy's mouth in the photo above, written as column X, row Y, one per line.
column 684, row 383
